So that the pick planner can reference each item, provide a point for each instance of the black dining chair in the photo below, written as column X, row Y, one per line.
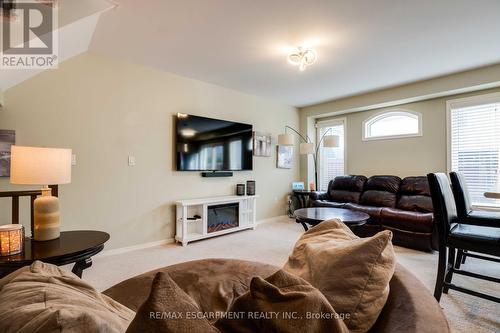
column 465, row 212
column 464, row 205
column 455, row 235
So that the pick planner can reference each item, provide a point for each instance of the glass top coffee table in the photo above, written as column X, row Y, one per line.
column 316, row 215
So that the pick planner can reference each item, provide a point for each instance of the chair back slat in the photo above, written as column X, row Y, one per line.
column 443, row 201
column 15, row 210
column 15, row 195
column 461, row 193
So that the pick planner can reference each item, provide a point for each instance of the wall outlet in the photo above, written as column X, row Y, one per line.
column 131, row 160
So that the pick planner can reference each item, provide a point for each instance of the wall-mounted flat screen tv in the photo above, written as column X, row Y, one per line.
column 206, row 144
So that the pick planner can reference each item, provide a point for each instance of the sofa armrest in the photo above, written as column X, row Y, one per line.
column 318, row 195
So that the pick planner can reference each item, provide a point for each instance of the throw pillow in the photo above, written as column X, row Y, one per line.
column 45, row 298
column 353, row 273
column 169, row 309
column 281, row 303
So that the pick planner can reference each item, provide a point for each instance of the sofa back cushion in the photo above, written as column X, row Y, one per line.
column 381, row 191
column 414, row 195
column 346, row 188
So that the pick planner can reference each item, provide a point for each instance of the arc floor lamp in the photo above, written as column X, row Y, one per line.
column 307, row 147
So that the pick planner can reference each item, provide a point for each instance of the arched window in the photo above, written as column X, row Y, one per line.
column 393, row 124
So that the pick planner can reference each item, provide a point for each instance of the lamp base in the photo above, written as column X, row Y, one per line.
column 46, row 218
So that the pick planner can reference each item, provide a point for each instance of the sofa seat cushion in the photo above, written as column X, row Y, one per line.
column 323, row 256
column 330, row 204
column 374, row 212
column 416, row 203
column 378, row 198
column 407, row 220
column 196, row 278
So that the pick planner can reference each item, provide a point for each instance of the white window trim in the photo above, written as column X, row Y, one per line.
column 464, row 102
column 326, row 123
column 388, row 113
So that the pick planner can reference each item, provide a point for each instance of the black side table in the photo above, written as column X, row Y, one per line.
column 302, row 198
column 72, row 247
column 316, row 215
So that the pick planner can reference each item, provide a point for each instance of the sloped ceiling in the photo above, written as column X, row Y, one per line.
column 77, row 23
column 362, row 45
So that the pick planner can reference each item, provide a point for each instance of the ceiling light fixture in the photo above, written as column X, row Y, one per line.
column 303, row 57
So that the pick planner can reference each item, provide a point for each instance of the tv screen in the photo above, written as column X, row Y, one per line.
column 206, row 144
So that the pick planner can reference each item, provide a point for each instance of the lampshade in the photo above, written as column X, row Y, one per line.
column 331, row 141
column 40, row 166
column 285, row 140
column 306, row 148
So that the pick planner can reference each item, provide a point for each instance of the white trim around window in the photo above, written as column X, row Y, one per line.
column 326, row 123
column 367, row 123
column 473, row 106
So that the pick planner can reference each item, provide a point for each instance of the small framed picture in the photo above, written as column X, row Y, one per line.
column 262, row 144
column 7, row 139
column 284, row 157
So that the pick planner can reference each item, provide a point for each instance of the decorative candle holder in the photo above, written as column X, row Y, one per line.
column 240, row 189
column 11, row 239
column 250, row 187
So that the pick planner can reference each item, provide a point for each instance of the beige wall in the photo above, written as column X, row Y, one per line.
column 404, row 156
column 436, row 89
column 106, row 110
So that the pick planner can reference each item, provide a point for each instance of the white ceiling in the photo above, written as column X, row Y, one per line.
column 362, row 45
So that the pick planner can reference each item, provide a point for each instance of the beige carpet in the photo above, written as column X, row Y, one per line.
column 272, row 242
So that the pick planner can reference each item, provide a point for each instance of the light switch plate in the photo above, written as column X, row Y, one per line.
column 73, row 159
column 131, row 160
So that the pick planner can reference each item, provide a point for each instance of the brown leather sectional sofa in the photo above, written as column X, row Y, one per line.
column 403, row 206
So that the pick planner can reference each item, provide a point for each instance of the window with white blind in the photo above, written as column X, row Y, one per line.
column 331, row 161
column 474, row 144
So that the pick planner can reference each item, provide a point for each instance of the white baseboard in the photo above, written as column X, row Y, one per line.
column 134, row 247
column 271, row 219
column 164, row 241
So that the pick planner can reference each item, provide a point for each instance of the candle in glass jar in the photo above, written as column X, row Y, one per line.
column 11, row 239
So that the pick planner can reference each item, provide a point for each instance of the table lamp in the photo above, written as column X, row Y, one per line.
column 42, row 166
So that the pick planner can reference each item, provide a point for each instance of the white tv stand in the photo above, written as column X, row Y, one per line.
column 189, row 229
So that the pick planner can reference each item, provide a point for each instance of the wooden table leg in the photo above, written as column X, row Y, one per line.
column 80, row 265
